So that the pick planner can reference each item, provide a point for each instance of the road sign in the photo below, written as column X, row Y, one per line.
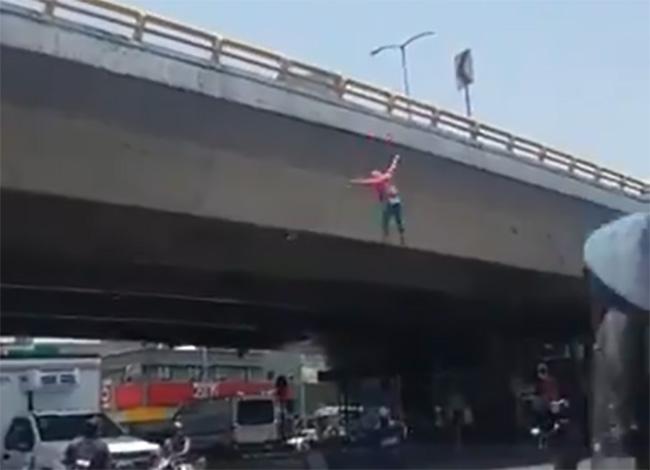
column 464, row 69
column 465, row 76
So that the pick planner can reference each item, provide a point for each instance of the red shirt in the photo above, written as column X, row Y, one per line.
column 386, row 190
column 548, row 389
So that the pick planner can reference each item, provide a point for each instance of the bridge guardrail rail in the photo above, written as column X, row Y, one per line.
column 156, row 30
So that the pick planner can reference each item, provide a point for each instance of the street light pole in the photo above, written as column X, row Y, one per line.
column 204, row 364
column 402, row 48
column 405, row 73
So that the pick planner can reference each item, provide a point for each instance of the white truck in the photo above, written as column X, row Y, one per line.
column 45, row 403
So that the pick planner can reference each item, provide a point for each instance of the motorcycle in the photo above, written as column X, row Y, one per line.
column 176, row 454
column 304, row 439
column 553, row 424
column 179, row 462
column 80, row 464
column 170, row 463
column 179, row 459
column 556, row 433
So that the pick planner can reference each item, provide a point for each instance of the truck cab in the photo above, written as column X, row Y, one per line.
column 45, row 405
column 38, row 440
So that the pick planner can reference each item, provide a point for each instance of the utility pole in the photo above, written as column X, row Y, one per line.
column 204, row 364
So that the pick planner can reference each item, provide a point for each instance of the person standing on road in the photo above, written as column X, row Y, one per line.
column 388, row 196
column 457, row 406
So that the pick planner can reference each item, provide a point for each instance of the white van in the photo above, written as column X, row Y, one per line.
column 45, row 403
column 232, row 424
column 257, row 421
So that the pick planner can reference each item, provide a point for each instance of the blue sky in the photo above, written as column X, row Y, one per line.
column 572, row 74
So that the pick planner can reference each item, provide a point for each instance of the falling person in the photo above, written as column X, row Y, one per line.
column 388, row 196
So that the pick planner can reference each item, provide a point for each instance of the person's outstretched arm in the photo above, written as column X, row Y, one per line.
column 370, row 180
column 393, row 166
column 386, row 175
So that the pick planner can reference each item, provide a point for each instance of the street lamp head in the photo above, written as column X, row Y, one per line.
column 402, row 46
column 418, row 36
column 376, row 51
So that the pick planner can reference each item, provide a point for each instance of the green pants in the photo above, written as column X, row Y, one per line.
column 392, row 211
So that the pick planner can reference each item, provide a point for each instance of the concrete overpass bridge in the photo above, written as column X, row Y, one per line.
column 159, row 178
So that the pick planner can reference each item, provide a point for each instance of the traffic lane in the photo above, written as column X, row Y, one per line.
column 431, row 456
column 270, row 460
column 408, row 456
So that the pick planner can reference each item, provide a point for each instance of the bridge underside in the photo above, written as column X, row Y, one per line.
column 101, row 173
column 77, row 268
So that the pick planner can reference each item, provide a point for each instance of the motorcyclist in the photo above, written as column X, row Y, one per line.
column 178, row 445
column 88, row 451
column 546, row 393
column 618, row 270
column 546, row 387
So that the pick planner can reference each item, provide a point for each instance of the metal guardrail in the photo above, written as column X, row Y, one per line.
column 153, row 29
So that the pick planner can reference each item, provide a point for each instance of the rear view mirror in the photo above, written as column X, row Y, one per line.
column 21, row 445
column 24, row 446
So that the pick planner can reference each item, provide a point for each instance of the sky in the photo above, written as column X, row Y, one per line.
column 572, row 74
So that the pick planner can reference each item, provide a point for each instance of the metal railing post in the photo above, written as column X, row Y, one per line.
column 435, row 117
column 216, row 49
column 390, row 105
column 542, row 154
column 283, row 73
column 598, row 173
column 623, row 183
column 475, row 131
column 571, row 167
column 48, row 10
column 340, row 86
column 138, row 31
